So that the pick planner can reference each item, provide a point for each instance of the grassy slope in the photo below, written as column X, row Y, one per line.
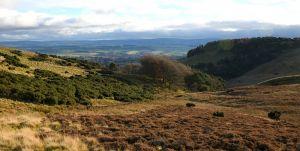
column 285, row 65
column 45, row 65
column 285, row 80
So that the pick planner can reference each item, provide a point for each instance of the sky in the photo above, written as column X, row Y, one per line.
column 135, row 19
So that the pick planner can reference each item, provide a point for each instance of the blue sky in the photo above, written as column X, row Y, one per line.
column 126, row 19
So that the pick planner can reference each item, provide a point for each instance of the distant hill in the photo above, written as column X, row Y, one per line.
column 247, row 61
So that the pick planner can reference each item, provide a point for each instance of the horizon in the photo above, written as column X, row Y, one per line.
column 63, row 20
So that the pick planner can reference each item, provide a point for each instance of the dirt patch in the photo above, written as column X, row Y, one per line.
column 180, row 128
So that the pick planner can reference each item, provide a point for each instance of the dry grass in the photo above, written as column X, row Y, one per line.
column 32, row 131
column 27, row 126
column 257, row 101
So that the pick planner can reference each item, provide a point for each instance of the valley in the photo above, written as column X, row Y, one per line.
column 106, row 51
column 59, row 103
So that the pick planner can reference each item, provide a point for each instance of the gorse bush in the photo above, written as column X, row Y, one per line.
column 38, row 73
column 17, row 52
column 200, row 81
column 50, row 88
column 218, row 114
column 13, row 60
column 275, row 115
column 39, row 57
column 80, row 63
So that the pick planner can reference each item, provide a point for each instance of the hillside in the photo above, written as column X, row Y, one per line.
column 285, row 65
column 27, row 58
column 285, row 80
column 52, row 80
column 101, row 108
column 247, row 61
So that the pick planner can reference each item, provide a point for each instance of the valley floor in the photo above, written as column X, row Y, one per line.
column 162, row 124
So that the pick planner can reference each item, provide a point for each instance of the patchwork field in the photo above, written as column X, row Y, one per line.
column 162, row 124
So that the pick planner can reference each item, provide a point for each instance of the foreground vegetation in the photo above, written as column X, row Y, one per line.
column 236, row 119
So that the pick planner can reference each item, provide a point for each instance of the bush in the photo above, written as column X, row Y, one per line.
column 13, row 60
column 63, row 63
column 39, row 57
column 44, row 74
column 200, row 81
column 275, row 115
column 218, row 114
column 11, row 68
column 190, row 105
column 17, row 52
column 88, row 65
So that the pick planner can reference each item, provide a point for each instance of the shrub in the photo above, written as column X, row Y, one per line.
column 39, row 57
column 63, row 63
column 200, row 81
column 88, row 65
column 11, row 68
column 275, row 115
column 190, row 105
column 13, row 60
column 218, row 114
column 17, row 52
column 112, row 66
column 44, row 74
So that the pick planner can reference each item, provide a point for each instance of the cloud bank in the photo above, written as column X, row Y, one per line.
column 131, row 19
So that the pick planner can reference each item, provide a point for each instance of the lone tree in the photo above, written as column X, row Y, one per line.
column 164, row 70
column 112, row 66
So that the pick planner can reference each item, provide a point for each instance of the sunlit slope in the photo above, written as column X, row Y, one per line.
column 30, row 60
column 285, row 65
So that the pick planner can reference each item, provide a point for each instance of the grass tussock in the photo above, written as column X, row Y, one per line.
column 30, row 131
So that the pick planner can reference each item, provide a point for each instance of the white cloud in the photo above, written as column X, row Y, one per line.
column 102, row 16
column 14, row 37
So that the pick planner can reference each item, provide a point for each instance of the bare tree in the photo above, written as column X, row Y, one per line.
column 164, row 70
